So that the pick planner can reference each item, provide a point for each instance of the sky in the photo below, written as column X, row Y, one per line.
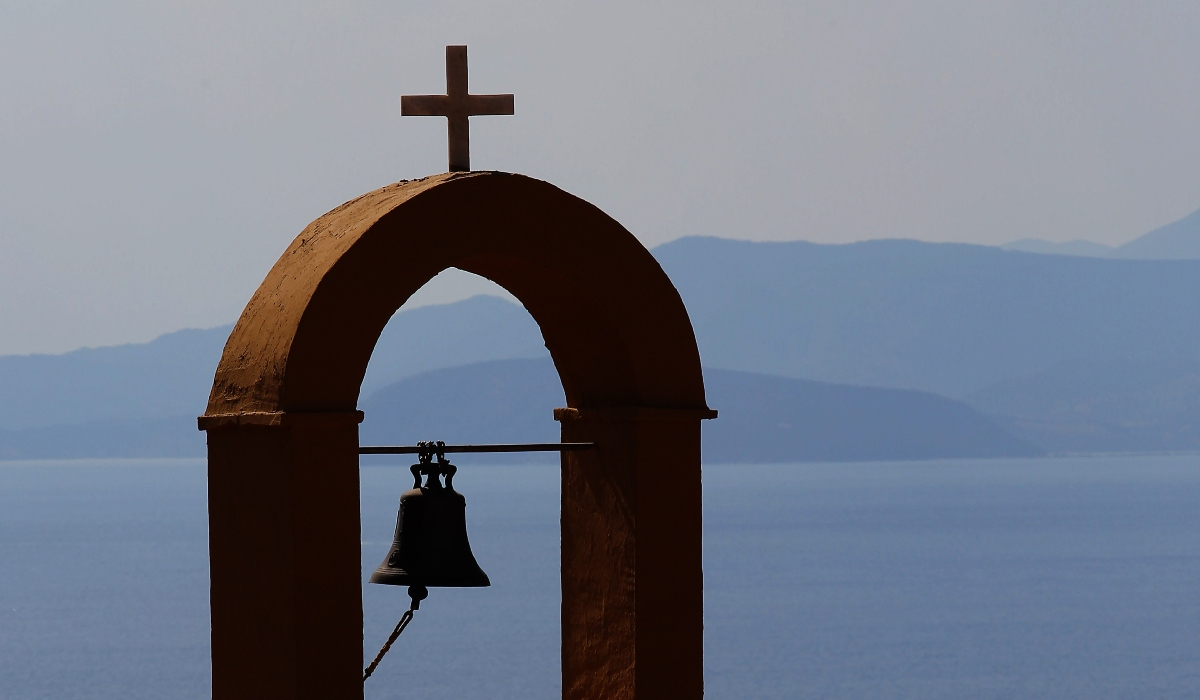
column 156, row 158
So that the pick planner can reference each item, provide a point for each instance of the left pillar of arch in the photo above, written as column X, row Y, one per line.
column 284, row 553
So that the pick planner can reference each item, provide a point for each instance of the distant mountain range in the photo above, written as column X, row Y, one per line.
column 172, row 375
column 1067, row 353
column 141, row 400
column 762, row 418
column 1178, row 240
column 946, row 318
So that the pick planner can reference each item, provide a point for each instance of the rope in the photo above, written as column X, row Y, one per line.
column 404, row 620
column 417, row 593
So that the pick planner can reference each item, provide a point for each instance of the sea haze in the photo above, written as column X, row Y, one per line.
column 1066, row 578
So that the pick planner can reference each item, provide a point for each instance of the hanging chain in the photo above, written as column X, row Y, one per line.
column 417, row 593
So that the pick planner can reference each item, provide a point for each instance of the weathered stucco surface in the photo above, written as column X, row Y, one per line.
column 615, row 325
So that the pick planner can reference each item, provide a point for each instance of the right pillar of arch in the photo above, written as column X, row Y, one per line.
column 632, row 570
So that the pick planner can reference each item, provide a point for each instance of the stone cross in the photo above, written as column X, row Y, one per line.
column 456, row 105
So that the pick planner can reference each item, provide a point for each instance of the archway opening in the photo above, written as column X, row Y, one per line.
column 473, row 369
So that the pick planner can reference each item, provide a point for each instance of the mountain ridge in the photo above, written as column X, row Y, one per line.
column 1178, row 240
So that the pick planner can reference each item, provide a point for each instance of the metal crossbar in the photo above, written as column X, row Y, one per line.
column 515, row 447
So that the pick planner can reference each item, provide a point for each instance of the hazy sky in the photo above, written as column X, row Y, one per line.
column 156, row 158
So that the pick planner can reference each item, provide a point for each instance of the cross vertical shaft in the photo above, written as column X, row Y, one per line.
column 457, row 105
column 458, row 127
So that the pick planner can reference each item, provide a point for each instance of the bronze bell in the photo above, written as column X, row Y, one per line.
column 431, row 547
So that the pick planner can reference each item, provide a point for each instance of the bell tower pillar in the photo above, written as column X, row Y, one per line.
column 285, row 592
column 632, row 578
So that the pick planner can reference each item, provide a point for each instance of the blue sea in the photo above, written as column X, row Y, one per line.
column 1055, row 578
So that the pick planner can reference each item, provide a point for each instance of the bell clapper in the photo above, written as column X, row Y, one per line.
column 417, row 593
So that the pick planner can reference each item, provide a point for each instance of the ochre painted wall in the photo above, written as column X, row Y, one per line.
column 282, row 422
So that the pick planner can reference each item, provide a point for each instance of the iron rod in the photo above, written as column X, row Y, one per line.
column 517, row 447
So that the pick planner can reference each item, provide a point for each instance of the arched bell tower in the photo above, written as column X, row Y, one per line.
column 282, row 424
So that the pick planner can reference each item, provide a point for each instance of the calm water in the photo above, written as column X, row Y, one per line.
column 989, row 579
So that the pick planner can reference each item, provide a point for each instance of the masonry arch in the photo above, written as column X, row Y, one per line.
column 282, row 431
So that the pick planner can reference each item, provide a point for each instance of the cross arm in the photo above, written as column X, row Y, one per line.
column 425, row 106
column 489, row 104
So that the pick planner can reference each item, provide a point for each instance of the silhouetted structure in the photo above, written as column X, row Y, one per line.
column 283, row 444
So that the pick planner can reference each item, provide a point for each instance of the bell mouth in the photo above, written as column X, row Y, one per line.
column 395, row 576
